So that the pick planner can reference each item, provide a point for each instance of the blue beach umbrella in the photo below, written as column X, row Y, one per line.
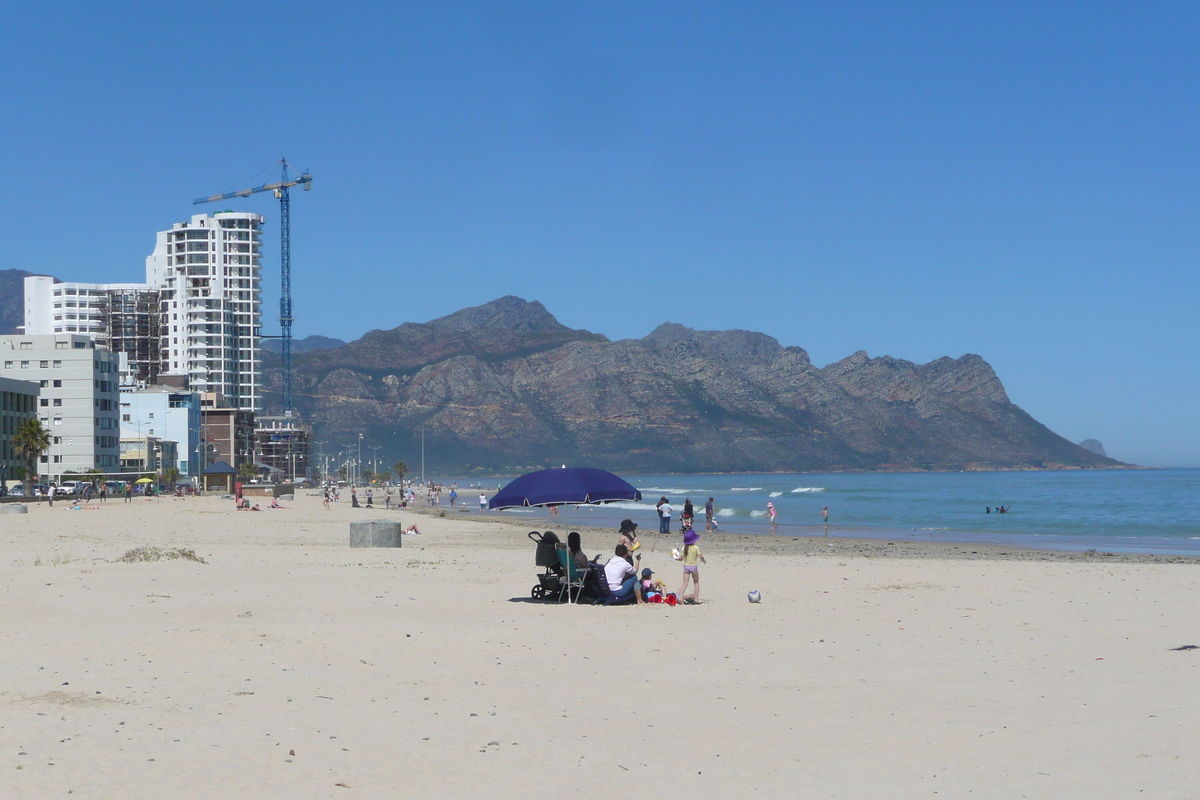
column 572, row 486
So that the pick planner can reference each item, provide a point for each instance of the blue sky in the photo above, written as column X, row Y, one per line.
column 1017, row 180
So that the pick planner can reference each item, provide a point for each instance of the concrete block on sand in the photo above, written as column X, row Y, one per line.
column 14, row 508
column 375, row 533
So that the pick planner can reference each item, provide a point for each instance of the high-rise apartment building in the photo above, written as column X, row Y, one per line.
column 197, row 316
column 208, row 271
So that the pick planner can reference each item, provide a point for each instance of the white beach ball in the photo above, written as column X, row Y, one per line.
column 754, row 596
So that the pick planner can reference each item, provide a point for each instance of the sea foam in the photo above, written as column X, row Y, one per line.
column 808, row 489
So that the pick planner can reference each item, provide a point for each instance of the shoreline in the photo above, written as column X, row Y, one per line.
column 894, row 546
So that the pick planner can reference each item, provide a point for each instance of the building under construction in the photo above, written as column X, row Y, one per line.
column 284, row 444
column 131, row 325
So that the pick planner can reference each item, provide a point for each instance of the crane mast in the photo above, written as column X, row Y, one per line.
column 281, row 192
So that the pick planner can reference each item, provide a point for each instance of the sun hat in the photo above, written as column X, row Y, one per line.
column 647, row 572
column 691, row 537
column 628, row 526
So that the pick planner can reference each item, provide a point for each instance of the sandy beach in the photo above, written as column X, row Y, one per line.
column 290, row 665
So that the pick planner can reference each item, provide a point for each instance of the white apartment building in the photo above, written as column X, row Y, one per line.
column 78, row 401
column 208, row 270
column 198, row 315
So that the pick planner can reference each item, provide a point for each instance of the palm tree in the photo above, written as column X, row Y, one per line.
column 401, row 470
column 248, row 471
column 172, row 475
column 31, row 440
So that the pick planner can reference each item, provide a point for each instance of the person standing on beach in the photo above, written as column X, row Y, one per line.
column 692, row 558
column 666, row 515
column 482, row 503
column 658, row 508
column 50, row 495
column 825, row 518
column 104, row 493
column 128, row 493
column 771, row 514
column 709, row 511
column 689, row 512
column 326, row 498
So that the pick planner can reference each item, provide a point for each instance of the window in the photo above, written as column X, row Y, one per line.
column 124, row 418
column 151, row 417
column 26, row 345
column 60, row 345
column 8, row 365
column 43, row 383
column 24, row 365
column 58, row 365
column 58, row 420
column 44, row 364
column 58, row 440
column 80, row 345
column 58, row 401
column 58, row 459
column 58, row 383
column 43, row 402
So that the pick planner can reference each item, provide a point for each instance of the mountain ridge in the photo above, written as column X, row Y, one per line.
column 505, row 386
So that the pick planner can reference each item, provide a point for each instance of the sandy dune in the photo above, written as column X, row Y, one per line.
column 426, row 672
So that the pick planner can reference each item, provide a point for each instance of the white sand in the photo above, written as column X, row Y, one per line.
column 425, row 673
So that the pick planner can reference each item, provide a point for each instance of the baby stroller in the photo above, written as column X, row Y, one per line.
column 552, row 582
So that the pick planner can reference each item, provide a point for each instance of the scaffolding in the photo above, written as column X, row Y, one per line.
column 285, row 445
column 132, row 326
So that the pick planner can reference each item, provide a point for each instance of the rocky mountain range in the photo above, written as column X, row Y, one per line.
column 504, row 387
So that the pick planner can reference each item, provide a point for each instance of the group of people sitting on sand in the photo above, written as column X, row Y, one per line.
column 625, row 576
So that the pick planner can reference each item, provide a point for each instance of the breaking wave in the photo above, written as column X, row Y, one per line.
column 775, row 494
column 808, row 489
column 746, row 489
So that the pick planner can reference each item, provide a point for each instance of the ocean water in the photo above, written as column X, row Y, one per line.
column 1127, row 511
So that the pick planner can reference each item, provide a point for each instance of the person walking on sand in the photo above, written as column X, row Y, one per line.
column 326, row 501
column 692, row 559
column 771, row 514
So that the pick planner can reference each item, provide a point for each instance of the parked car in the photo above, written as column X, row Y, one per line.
column 70, row 487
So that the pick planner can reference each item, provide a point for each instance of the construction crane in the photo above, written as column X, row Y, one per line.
column 285, row 262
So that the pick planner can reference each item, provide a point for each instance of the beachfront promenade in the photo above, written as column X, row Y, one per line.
column 292, row 666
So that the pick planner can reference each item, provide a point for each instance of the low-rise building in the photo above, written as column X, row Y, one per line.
column 227, row 434
column 77, row 402
column 18, row 402
column 169, row 414
column 141, row 453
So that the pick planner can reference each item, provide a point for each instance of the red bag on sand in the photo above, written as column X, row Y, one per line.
column 671, row 599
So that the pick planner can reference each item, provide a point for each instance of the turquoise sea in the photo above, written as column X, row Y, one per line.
column 1127, row 511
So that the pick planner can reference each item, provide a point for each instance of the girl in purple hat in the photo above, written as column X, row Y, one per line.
column 692, row 558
